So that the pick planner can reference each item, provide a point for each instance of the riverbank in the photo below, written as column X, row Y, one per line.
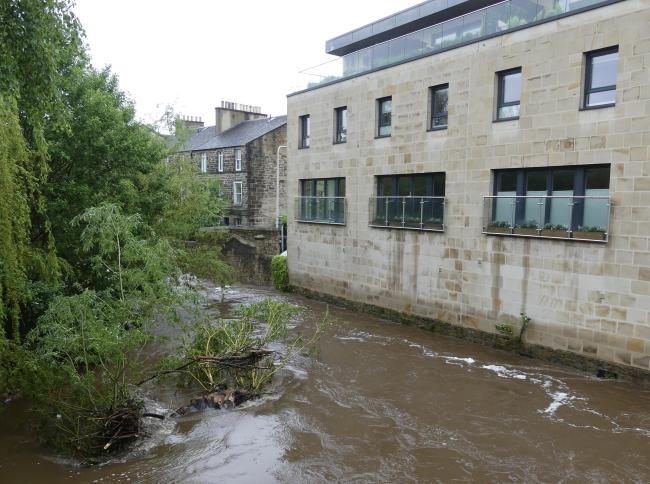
column 380, row 401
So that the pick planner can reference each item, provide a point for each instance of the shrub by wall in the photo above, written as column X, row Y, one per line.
column 280, row 273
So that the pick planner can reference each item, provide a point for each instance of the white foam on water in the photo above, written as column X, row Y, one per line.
column 452, row 359
column 559, row 399
column 504, row 372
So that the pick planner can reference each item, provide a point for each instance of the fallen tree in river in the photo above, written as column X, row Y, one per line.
column 230, row 359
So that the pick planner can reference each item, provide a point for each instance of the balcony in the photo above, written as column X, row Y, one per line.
column 583, row 218
column 411, row 213
column 320, row 210
column 497, row 19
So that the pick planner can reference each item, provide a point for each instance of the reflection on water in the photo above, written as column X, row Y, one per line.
column 379, row 402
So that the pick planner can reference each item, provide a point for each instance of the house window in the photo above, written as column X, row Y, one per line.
column 409, row 201
column 600, row 78
column 304, row 131
column 204, row 163
column 322, row 200
column 384, row 116
column 552, row 202
column 237, row 159
column 439, row 96
column 237, row 193
column 220, row 162
column 508, row 94
column 341, row 125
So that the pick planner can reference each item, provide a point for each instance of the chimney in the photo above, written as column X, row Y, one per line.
column 230, row 114
column 191, row 124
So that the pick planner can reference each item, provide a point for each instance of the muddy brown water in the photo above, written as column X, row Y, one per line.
column 380, row 402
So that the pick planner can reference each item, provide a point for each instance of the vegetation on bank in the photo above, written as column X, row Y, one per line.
column 280, row 273
column 94, row 216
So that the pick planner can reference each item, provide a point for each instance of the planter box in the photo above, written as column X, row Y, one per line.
column 526, row 231
column 558, row 234
column 498, row 230
column 588, row 235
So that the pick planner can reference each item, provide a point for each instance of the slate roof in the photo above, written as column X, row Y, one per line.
column 245, row 132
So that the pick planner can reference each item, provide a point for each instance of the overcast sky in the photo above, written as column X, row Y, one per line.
column 192, row 54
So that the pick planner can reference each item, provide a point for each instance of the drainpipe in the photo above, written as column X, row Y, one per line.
column 277, row 188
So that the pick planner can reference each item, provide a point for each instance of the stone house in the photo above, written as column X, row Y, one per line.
column 241, row 150
column 479, row 160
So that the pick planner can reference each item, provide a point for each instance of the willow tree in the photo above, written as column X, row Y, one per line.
column 41, row 40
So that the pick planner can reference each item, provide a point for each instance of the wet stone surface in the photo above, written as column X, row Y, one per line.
column 380, row 402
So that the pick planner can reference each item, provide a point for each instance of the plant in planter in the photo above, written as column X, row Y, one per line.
column 526, row 228
column 557, row 231
column 587, row 232
column 499, row 227
column 515, row 21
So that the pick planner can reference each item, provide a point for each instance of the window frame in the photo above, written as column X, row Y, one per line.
column 234, row 193
column 220, row 161
column 501, row 76
column 204, row 163
column 432, row 99
column 380, row 102
column 340, row 134
column 304, row 129
column 587, row 90
column 237, row 159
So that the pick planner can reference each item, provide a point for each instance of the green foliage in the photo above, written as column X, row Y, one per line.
column 591, row 228
column 528, row 224
column 41, row 42
column 504, row 329
column 204, row 261
column 81, row 352
column 525, row 321
column 500, row 224
column 280, row 273
column 556, row 227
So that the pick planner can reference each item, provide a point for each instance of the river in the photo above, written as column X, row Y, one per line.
column 379, row 402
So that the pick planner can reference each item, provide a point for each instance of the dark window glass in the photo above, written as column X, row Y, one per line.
column 508, row 94
column 507, row 181
column 304, row 131
column 306, row 188
column 323, row 187
column 439, row 102
column 385, row 110
column 420, row 185
column 439, row 185
column 597, row 178
column 341, row 125
column 536, row 181
column 563, row 180
column 385, row 186
column 404, row 186
column 320, row 188
column 600, row 78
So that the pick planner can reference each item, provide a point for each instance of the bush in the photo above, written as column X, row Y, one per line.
column 280, row 273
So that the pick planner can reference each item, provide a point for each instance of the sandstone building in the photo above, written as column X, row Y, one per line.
column 478, row 160
column 241, row 151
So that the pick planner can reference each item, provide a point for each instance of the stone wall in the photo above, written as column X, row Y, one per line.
column 262, row 154
column 589, row 299
column 250, row 251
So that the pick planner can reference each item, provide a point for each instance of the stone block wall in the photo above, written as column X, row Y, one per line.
column 588, row 299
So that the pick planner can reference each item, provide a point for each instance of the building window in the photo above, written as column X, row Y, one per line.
column 341, row 125
column 439, row 96
column 600, row 78
column 237, row 159
column 508, row 94
column 237, row 193
column 409, row 202
column 204, row 163
column 304, row 131
column 321, row 200
column 220, row 162
column 550, row 202
column 384, row 116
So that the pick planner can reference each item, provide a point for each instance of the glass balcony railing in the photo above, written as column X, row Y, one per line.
column 322, row 210
column 559, row 217
column 415, row 213
column 493, row 20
